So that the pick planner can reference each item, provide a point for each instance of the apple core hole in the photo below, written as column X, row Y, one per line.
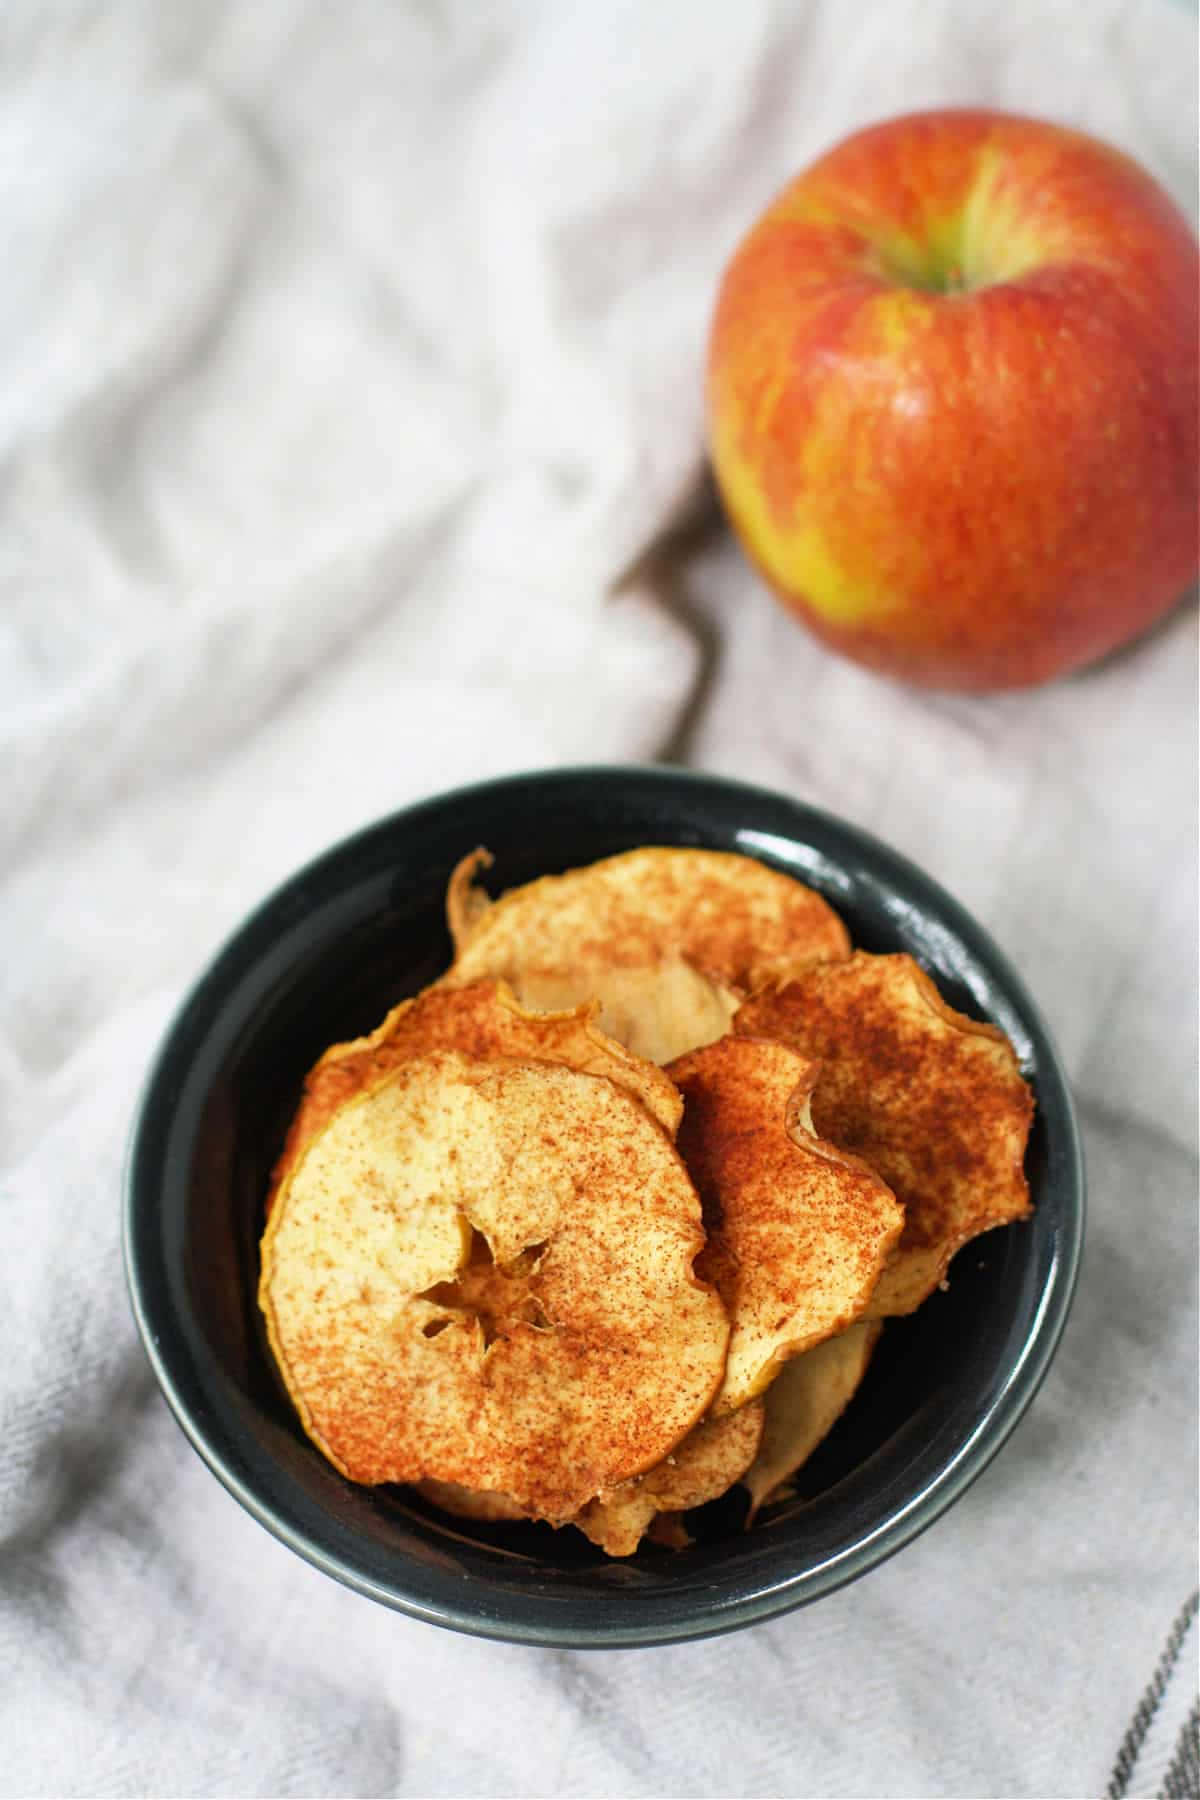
column 499, row 1295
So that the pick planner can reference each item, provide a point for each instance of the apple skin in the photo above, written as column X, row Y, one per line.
column 953, row 397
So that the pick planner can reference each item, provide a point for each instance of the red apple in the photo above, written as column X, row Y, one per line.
column 953, row 398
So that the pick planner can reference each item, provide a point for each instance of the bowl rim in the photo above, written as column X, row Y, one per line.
column 789, row 1590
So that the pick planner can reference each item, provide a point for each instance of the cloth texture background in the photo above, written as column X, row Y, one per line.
column 349, row 358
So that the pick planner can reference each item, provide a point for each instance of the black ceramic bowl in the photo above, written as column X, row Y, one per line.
column 322, row 960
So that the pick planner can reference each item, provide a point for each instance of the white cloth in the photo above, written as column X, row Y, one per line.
column 348, row 354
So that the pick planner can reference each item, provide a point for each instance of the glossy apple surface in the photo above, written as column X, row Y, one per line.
column 953, row 398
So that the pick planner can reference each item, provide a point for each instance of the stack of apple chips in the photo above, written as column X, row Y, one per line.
column 608, row 1219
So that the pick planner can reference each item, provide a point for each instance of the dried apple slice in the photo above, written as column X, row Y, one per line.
column 933, row 1100
column 466, row 902
column 467, row 1503
column 665, row 939
column 482, row 1273
column 658, row 1010
column 484, row 1021
column 798, row 1231
column 804, row 1403
column 704, row 1466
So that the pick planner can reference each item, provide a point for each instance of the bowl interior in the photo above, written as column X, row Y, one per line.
column 323, row 960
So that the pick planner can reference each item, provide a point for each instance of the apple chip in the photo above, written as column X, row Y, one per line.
column 484, row 1021
column 659, row 1011
column 482, row 1273
column 798, row 1231
column 704, row 1466
column 804, row 1403
column 930, row 1098
column 466, row 1503
column 466, row 902
column 666, row 940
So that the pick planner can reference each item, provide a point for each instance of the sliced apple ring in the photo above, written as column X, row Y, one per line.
column 666, row 940
column 466, row 1503
column 933, row 1100
column 703, row 1466
column 482, row 1273
column 712, row 1456
column 798, row 1231
column 803, row 1404
column 484, row 1021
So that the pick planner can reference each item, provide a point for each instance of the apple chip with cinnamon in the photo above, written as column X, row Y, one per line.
column 705, row 1465
column 933, row 1100
column 605, row 1222
column 666, row 940
column 481, row 1273
column 798, row 1232
column 484, row 1021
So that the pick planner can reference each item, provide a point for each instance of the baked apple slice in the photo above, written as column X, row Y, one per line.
column 667, row 940
column 484, row 1021
column 481, row 1272
column 933, row 1100
column 804, row 1403
column 705, row 1465
column 798, row 1232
